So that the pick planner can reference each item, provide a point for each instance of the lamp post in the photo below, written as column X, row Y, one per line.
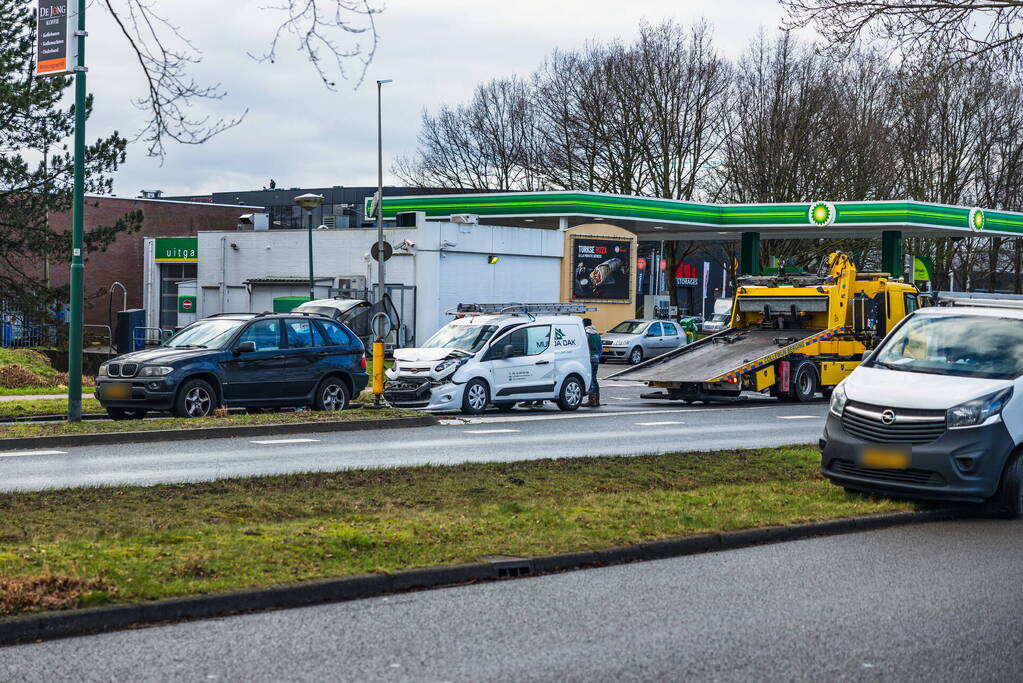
column 309, row 202
column 378, row 343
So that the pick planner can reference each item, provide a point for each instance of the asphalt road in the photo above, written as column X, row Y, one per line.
column 934, row 602
column 626, row 425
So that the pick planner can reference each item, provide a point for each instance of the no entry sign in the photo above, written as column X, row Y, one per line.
column 56, row 44
column 186, row 304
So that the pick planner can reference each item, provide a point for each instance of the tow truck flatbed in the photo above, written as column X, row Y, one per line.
column 712, row 357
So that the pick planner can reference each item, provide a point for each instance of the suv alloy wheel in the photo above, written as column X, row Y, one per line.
column 196, row 399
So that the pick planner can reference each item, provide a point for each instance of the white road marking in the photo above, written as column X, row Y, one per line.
column 537, row 416
column 491, row 431
column 268, row 442
column 796, row 417
column 16, row 454
column 659, row 424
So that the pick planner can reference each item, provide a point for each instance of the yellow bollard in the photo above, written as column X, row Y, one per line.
column 378, row 368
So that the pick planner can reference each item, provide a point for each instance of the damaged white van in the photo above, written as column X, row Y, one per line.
column 494, row 354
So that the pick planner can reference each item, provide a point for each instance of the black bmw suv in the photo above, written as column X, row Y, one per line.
column 238, row 359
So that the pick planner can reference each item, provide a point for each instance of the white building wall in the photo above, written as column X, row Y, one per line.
column 448, row 265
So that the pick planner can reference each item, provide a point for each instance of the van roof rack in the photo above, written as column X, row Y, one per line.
column 981, row 299
column 523, row 309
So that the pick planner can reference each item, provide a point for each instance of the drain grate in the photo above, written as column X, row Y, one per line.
column 509, row 567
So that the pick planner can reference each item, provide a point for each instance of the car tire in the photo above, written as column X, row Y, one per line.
column 1007, row 502
column 476, row 397
column 505, row 407
column 126, row 413
column 636, row 355
column 195, row 399
column 804, row 382
column 331, row 395
column 571, row 395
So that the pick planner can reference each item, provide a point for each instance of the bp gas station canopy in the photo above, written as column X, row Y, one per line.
column 666, row 219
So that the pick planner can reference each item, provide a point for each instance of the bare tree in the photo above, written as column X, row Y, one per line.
column 332, row 34
column 961, row 29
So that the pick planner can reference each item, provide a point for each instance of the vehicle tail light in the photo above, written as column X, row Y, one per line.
column 363, row 361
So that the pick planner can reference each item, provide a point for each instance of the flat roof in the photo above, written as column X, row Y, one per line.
column 655, row 218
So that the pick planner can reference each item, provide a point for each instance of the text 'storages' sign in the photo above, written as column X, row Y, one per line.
column 56, row 44
column 601, row 269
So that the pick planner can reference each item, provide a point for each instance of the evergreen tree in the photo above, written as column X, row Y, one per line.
column 37, row 168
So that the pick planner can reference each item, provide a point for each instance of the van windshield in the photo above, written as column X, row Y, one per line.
column 628, row 327
column 966, row 345
column 466, row 338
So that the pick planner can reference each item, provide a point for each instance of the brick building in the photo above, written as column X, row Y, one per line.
column 124, row 260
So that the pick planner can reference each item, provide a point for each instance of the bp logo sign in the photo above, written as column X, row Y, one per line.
column 822, row 213
column 976, row 220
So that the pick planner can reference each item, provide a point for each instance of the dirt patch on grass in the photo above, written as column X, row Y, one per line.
column 17, row 377
column 50, row 591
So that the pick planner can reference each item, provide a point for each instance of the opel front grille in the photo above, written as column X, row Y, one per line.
column 878, row 424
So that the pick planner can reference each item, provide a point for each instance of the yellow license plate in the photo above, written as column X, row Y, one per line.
column 884, row 458
column 117, row 391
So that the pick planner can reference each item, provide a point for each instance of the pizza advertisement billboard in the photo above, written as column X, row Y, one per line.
column 601, row 269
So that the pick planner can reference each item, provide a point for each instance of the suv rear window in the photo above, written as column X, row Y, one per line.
column 299, row 333
column 336, row 334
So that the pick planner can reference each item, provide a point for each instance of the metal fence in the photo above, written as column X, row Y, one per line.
column 20, row 329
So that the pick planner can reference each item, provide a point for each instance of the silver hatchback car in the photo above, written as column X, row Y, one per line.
column 636, row 340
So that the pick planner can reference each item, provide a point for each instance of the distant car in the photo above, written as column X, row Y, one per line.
column 254, row 361
column 356, row 315
column 721, row 318
column 636, row 340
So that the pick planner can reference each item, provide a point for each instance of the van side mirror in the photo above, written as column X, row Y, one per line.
column 507, row 351
column 245, row 347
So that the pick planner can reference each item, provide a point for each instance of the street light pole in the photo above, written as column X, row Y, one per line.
column 77, row 279
column 309, row 202
column 378, row 343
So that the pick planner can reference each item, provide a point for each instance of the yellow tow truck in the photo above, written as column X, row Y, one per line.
column 790, row 335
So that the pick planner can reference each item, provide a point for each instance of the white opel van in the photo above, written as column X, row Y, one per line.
column 936, row 411
column 499, row 359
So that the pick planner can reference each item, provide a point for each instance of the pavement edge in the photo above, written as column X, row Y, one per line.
column 112, row 438
column 36, row 627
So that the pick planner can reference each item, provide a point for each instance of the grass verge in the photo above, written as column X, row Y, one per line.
column 9, row 431
column 44, row 406
column 132, row 544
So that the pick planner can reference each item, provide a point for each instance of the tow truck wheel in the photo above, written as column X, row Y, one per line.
column 476, row 397
column 804, row 382
column 1008, row 501
column 636, row 355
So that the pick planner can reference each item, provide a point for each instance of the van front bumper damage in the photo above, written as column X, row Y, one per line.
column 424, row 394
column 960, row 465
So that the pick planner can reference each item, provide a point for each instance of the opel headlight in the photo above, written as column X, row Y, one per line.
column 155, row 371
column 977, row 411
column 838, row 400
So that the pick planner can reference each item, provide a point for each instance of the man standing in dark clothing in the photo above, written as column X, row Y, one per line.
column 593, row 339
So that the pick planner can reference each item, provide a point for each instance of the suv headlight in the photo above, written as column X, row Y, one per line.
column 838, row 400
column 155, row 371
column 977, row 411
column 102, row 370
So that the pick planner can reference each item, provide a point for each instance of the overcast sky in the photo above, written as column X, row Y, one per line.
column 303, row 135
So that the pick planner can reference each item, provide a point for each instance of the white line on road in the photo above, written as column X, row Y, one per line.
column 536, row 416
column 659, row 424
column 797, row 417
column 15, row 454
column 268, row 442
column 491, row 431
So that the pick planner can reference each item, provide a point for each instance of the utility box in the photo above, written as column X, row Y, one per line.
column 285, row 304
column 127, row 322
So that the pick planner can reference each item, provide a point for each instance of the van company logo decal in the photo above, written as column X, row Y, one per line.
column 560, row 339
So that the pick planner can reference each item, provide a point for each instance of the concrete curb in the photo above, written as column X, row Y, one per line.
column 109, row 438
column 80, row 622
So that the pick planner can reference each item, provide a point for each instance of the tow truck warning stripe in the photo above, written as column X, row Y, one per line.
column 780, row 353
